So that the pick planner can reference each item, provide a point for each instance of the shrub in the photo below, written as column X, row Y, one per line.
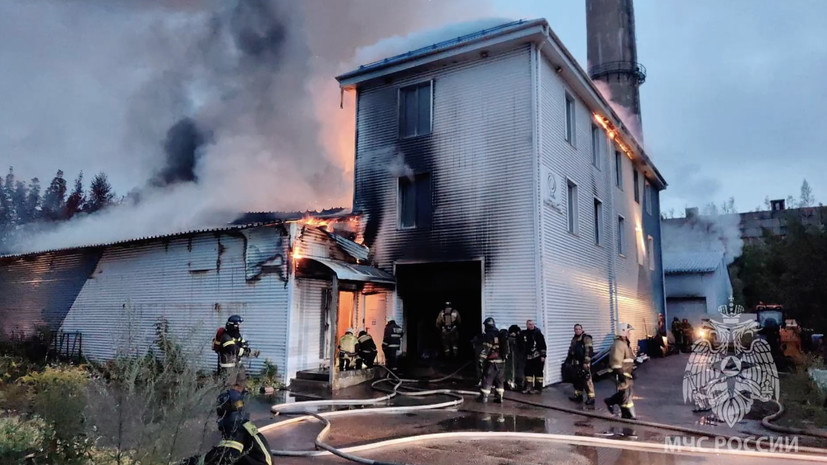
column 23, row 439
column 59, row 395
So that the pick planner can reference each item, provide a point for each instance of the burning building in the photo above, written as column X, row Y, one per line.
column 491, row 172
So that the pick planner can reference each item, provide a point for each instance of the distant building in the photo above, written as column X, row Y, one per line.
column 697, row 283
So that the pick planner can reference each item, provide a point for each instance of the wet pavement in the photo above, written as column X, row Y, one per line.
column 658, row 398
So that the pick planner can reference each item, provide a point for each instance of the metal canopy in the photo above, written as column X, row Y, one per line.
column 352, row 272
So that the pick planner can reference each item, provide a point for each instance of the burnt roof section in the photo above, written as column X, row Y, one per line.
column 536, row 30
column 265, row 217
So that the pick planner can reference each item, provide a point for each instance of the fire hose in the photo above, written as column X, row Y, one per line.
column 348, row 452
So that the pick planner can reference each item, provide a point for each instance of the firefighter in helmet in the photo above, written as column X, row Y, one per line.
column 622, row 363
column 391, row 343
column 232, row 346
column 347, row 350
column 581, row 351
column 448, row 322
column 492, row 358
column 534, row 345
column 366, row 349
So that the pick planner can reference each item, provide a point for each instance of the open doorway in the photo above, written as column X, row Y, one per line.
column 424, row 288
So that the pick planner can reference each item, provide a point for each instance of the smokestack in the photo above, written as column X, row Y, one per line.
column 612, row 52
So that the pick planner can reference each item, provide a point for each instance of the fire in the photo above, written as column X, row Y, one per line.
column 297, row 255
column 613, row 135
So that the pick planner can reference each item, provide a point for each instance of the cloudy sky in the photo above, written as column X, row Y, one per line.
column 729, row 105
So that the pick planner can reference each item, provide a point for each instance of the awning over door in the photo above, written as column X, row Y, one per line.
column 353, row 272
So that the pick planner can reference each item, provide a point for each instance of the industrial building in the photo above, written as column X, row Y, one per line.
column 697, row 284
column 489, row 171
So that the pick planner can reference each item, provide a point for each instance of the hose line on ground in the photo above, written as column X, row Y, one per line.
column 765, row 422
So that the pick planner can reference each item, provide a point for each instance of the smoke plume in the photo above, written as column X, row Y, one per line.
column 211, row 108
column 707, row 233
column 627, row 116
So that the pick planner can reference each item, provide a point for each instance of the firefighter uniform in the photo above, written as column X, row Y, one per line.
column 534, row 345
column 366, row 349
column 391, row 343
column 621, row 361
column 677, row 332
column 492, row 358
column 581, row 351
column 448, row 322
column 347, row 351
column 515, row 362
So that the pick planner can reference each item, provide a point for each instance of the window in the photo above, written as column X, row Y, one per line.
column 598, row 222
column 596, row 146
column 621, row 235
column 637, row 186
column 650, row 246
column 415, row 201
column 618, row 169
column 415, row 110
column 569, row 119
column 647, row 196
column 572, row 207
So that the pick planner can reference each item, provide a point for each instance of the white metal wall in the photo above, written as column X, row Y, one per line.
column 306, row 326
column 479, row 157
column 190, row 283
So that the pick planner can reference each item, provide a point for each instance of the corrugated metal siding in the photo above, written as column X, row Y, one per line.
column 134, row 286
column 38, row 290
column 479, row 157
column 308, row 320
column 575, row 270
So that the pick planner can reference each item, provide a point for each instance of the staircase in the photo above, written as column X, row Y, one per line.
column 311, row 381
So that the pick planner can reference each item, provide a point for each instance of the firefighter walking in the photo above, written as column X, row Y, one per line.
column 534, row 345
column 347, row 350
column 448, row 322
column 231, row 346
column 391, row 343
column 621, row 361
column 492, row 359
column 581, row 351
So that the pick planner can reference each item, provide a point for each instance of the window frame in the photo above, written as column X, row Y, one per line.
column 596, row 146
column 415, row 181
column 400, row 108
column 650, row 248
column 636, row 180
column 618, row 169
column 572, row 207
column 598, row 222
column 570, row 133
column 647, row 196
column 621, row 235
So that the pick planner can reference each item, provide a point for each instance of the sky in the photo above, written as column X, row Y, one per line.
column 728, row 107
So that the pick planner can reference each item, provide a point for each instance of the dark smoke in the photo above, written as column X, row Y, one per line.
column 257, row 30
column 181, row 146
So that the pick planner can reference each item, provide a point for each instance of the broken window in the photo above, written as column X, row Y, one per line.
column 415, row 110
column 415, row 201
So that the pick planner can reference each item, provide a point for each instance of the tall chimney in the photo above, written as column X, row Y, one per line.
column 610, row 29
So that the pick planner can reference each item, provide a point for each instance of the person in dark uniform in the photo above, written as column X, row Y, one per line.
column 492, row 358
column 448, row 322
column 233, row 346
column 515, row 362
column 391, row 343
column 622, row 362
column 366, row 349
column 581, row 351
column 534, row 345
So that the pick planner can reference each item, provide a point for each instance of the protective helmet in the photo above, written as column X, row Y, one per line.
column 623, row 329
column 489, row 323
column 349, row 330
column 234, row 322
column 231, row 412
column 362, row 333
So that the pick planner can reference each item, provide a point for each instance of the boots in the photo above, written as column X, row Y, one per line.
column 577, row 398
column 609, row 405
column 498, row 399
column 529, row 389
column 628, row 413
column 482, row 398
column 590, row 402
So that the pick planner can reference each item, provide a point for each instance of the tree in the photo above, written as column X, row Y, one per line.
column 74, row 204
column 32, row 208
column 100, row 193
column 54, row 199
column 806, row 199
column 728, row 207
column 21, row 192
column 7, row 197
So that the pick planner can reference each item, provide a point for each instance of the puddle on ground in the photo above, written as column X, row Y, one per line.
column 493, row 422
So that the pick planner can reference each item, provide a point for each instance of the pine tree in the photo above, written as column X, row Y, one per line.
column 54, row 199
column 32, row 209
column 806, row 199
column 19, row 200
column 100, row 193
column 74, row 204
column 8, row 196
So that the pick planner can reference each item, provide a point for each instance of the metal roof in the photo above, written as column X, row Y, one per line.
column 691, row 262
column 352, row 272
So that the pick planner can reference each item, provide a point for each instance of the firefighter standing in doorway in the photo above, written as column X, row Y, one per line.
column 347, row 350
column 622, row 362
column 448, row 322
column 581, row 351
column 391, row 343
column 231, row 347
column 492, row 359
column 534, row 345
column 366, row 349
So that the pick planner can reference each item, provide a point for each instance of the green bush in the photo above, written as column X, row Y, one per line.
column 59, row 395
column 23, row 439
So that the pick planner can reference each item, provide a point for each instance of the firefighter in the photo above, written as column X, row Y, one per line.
column 492, row 360
column 688, row 334
column 677, row 333
column 534, row 345
column 581, row 351
column 391, row 343
column 366, row 349
column 241, row 443
column 448, row 322
column 515, row 362
column 621, row 361
column 347, row 350
column 232, row 347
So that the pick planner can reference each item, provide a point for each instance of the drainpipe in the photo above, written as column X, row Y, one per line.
column 613, row 305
